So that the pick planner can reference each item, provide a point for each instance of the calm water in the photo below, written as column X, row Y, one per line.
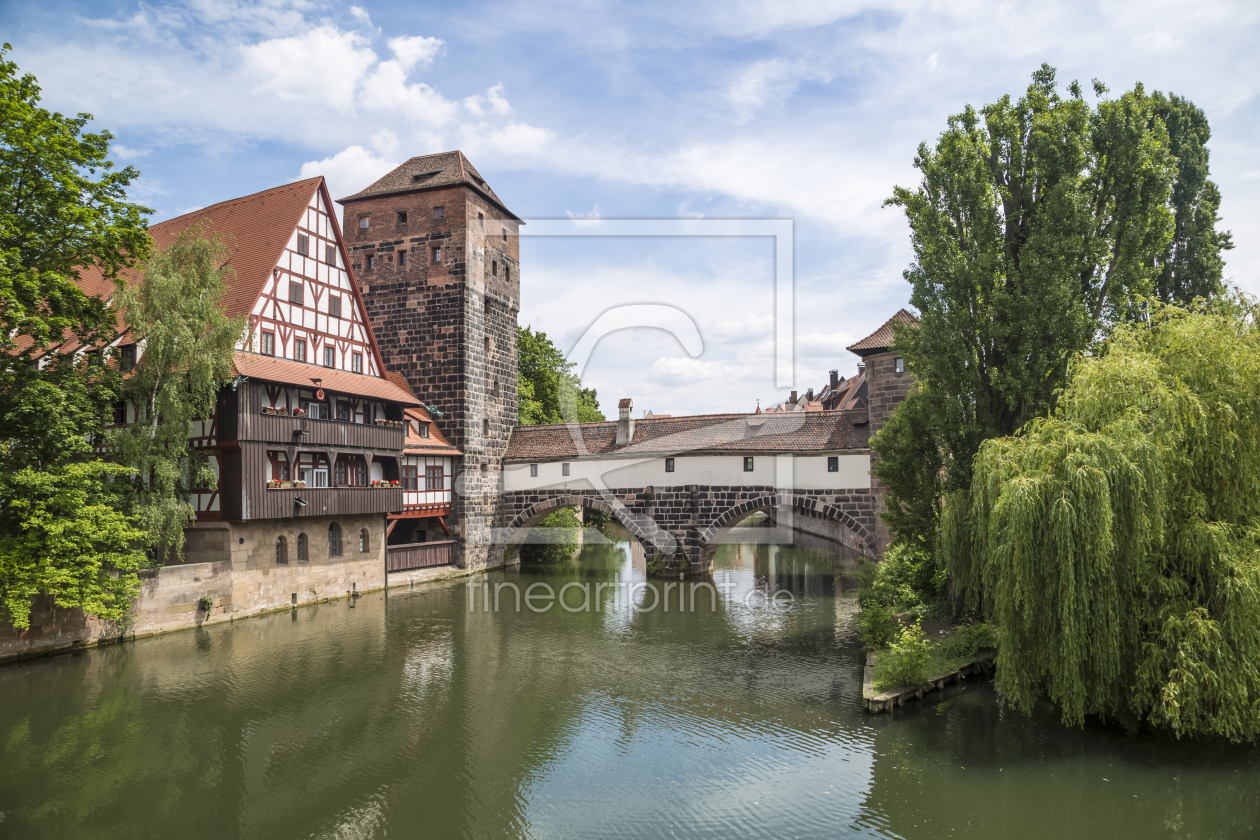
column 407, row 715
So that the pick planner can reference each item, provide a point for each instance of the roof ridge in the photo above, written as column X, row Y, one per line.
column 235, row 200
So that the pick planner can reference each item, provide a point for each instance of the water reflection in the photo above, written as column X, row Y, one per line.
column 418, row 713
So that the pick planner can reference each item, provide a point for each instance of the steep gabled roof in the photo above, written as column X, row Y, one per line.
column 301, row 374
column 882, row 338
column 428, row 172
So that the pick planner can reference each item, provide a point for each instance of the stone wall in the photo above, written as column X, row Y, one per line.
column 235, row 565
column 450, row 329
column 885, row 390
column 691, row 517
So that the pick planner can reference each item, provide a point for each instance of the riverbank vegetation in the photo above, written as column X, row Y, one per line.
column 547, row 389
column 1077, row 460
column 75, row 524
column 912, row 658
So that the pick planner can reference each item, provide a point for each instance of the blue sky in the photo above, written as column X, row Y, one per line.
column 807, row 110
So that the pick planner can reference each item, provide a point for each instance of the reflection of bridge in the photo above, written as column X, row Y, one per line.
column 679, row 484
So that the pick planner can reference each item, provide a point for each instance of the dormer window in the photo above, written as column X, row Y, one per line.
column 127, row 356
column 424, row 430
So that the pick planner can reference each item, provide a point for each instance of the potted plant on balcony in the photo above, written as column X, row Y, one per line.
column 269, row 409
column 273, row 484
column 380, row 421
column 299, row 484
column 282, row 410
column 393, row 483
column 299, row 412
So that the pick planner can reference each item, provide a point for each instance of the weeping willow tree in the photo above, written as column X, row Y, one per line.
column 1117, row 542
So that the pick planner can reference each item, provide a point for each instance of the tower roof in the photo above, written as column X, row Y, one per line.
column 427, row 172
column 882, row 338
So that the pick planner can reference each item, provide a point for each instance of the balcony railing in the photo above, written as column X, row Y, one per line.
column 401, row 558
column 322, row 501
column 277, row 428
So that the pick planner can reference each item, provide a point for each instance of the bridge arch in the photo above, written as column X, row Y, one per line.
column 851, row 532
column 644, row 529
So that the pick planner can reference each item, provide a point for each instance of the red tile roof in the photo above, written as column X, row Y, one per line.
column 815, row 431
column 882, row 338
column 435, row 444
column 271, row 369
column 625, row 402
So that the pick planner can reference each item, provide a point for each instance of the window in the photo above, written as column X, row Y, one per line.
column 411, row 478
column 330, row 254
column 330, row 356
column 314, row 477
column 316, row 410
column 437, row 255
column 507, row 272
column 487, row 344
column 901, row 365
column 485, row 427
column 299, row 349
column 439, row 212
column 295, row 292
column 402, row 259
column 371, row 260
column 363, row 541
column 486, row 305
column 356, row 362
column 481, row 220
column 505, row 234
column 282, row 551
column 268, row 344
column 304, row 246
column 334, row 540
column 833, row 463
column 494, row 390
column 533, row 471
column 127, row 356
column 365, row 222
column 120, row 412
column 402, row 217
column 302, row 548
column 339, row 473
column 433, row 478
column 494, row 268
column 284, row 472
column 424, row 430
column 343, row 411
column 669, row 465
column 334, row 306
column 564, row 469
column 748, row 463
column 363, row 474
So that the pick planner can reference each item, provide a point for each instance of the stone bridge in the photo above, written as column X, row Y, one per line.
column 680, row 484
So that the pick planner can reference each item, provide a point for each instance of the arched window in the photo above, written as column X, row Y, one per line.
column 282, row 551
column 339, row 473
column 334, row 540
column 363, row 540
column 302, row 555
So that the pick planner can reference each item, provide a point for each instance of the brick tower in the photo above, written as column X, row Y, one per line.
column 437, row 257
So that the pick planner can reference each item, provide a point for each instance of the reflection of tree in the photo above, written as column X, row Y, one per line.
column 968, row 762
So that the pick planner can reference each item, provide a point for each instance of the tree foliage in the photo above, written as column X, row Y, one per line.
column 176, row 314
column 1039, row 224
column 1117, row 542
column 62, row 208
column 546, row 384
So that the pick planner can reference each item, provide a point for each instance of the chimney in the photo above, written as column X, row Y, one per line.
column 809, row 395
column 835, row 379
column 625, row 421
column 793, row 398
column 861, row 368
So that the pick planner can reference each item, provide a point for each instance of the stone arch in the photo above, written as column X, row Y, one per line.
column 642, row 527
column 853, row 534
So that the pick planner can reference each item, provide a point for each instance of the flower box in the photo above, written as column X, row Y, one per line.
column 380, row 422
column 299, row 484
column 282, row 411
column 299, row 412
column 269, row 409
column 393, row 484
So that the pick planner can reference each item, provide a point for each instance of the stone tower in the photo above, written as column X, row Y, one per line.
column 437, row 257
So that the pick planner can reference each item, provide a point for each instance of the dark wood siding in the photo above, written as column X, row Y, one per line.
column 288, row 430
column 400, row 558
column 258, row 502
column 230, row 488
column 225, row 413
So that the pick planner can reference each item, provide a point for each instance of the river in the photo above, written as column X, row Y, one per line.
column 421, row 713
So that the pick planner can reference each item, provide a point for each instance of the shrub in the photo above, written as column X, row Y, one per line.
column 876, row 624
column 909, row 659
column 559, row 532
column 968, row 641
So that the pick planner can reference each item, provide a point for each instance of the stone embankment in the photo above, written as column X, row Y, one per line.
column 889, row 700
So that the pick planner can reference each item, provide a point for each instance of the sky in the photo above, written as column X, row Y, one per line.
column 596, row 111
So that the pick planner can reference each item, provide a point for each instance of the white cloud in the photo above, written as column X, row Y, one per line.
column 492, row 101
column 349, row 170
column 122, row 152
column 415, row 49
column 321, row 66
column 361, row 13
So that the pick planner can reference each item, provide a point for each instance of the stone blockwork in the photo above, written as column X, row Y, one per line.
column 677, row 524
column 448, row 325
column 239, row 572
column 886, row 388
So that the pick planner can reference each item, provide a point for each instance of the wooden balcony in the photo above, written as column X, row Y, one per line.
column 265, row 503
column 287, row 429
column 401, row 558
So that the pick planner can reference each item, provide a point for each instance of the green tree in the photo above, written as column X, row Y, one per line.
column 1191, row 266
column 176, row 312
column 546, row 384
column 1117, row 542
column 1039, row 224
